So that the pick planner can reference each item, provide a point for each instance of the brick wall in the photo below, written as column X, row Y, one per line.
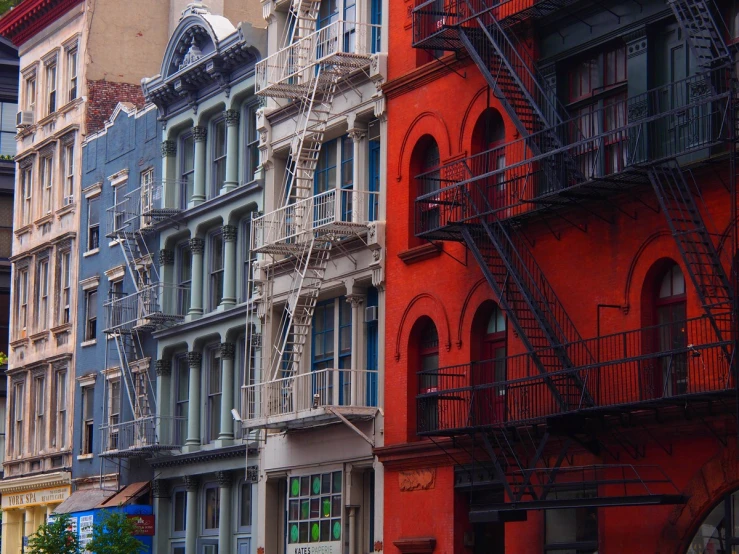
column 103, row 97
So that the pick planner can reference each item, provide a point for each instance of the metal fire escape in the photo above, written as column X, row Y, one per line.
column 484, row 207
column 297, row 238
column 130, row 317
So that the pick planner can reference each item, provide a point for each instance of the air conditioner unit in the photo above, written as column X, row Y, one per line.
column 68, row 200
column 370, row 314
column 24, row 118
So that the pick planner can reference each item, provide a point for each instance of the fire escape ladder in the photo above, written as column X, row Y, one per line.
column 695, row 244
column 138, row 385
column 704, row 35
column 302, row 20
column 292, row 333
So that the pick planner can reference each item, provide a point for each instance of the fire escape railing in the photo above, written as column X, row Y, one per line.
column 142, row 436
column 697, row 118
column 629, row 368
column 149, row 308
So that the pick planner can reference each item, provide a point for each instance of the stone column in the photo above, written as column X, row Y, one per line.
column 197, row 247
column 28, row 523
column 225, row 512
column 229, row 266
column 199, row 134
column 165, row 426
column 162, row 510
column 169, row 161
column 194, row 360
column 232, row 151
column 191, row 529
column 167, row 295
column 358, row 381
column 360, row 200
column 228, row 351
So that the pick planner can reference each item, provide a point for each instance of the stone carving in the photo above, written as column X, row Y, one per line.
column 193, row 54
column 199, row 133
column 224, row 478
column 191, row 482
column 229, row 232
column 169, row 148
column 231, row 117
column 194, row 359
column 417, row 480
column 164, row 367
column 166, row 257
column 228, row 350
column 197, row 245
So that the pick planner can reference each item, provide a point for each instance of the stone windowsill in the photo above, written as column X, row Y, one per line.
column 91, row 252
column 86, row 343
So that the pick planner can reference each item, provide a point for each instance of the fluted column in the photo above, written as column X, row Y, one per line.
column 225, row 512
column 194, row 360
column 162, row 510
column 229, row 266
column 232, row 150
column 197, row 247
column 191, row 529
column 169, row 162
column 199, row 134
column 228, row 352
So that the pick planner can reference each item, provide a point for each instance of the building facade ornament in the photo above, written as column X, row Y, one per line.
column 194, row 359
column 199, row 133
column 231, row 117
column 166, row 257
column 169, row 148
column 197, row 245
column 229, row 232
column 228, row 350
column 164, row 367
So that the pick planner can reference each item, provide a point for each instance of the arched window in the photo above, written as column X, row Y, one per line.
column 425, row 168
column 718, row 532
column 428, row 354
column 671, row 374
column 488, row 138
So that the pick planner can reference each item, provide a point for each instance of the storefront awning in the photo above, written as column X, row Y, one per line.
column 126, row 495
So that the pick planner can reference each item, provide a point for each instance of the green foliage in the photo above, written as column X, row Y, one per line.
column 5, row 5
column 114, row 535
column 54, row 538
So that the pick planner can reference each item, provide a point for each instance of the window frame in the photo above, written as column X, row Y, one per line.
column 241, row 527
column 218, row 159
column 175, row 492
column 43, row 268
column 181, row 406
column 93, row 223
column 213, row 392
column 244, row 237
column 52, row 76
column 61, row 401
column 186, row 176
column 68, row 168
column 30, row 91
column 184, row 300
column 26, row 206
column 216, row 275
column 38, row 442
column 72, row 61
column 87, row 440
column 113, row 410
column 251, row 142
column 64, row 284
column 207, row 487
column 91, row 318
column 18, row 406
column 22, row 302
column 323, row 181
column 296, row 495
column 46, row 183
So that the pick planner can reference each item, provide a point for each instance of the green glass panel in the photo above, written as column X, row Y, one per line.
column 294, row 486
column 304, row 509
column 315, row 532
column 336, row 530
column 326, row 503
column 294, row 533
column 316, row 484
column 337, row 481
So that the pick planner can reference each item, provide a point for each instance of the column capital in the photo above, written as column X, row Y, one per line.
column 166, row 257
column 229, row 232
column 355, row 300
column 357, row 134
column 231, row 117
column 194, row 359
column 199, row 133
column 224, row 478
column 197, row 245
column 159, row 488
column 164, row 367
column 191, row 483
column 228, row 350
column 169, row 148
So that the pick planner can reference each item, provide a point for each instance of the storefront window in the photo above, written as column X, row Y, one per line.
column 314, row 508
column 719, row 531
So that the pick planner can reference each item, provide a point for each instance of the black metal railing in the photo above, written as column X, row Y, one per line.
column 647, row 365
column 686, row 119
column 144, row 434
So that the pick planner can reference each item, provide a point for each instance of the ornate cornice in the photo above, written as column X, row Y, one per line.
column 44, row 480
column 203, row 456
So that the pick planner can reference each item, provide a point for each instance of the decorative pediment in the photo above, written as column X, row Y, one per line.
column 193, row 45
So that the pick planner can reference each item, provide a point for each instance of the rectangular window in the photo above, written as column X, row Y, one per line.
column 373, row 185
column 91, row 317
column 252, row 143
column 347, row 177
column 60, row 438
column 147, row 194
column 93, row 223
column 325, row 175
column 88, row 419
column 72, row 73
column 184, row 277
column 116, row 313
column 212, row 507
column 22, row 302
column 215, row 393
column 187, row 168
column 245, row 258
column 7, row 128
column 26, row 195
column 572, row 529
column 245, row 505
column 120, row 208
column 68, row 168
column 65, row 286
column 314, row 508
column 42, row 293
column 30, row 93
column 216, row 270
column 182, row 397
column 39, row 411
column 51, row 87
column 179, row 511
column 18, row 402
column 47, row 184
column 219, row 156
column 114, row 412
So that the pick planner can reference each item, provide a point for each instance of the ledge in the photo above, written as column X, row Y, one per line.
column 420, row 545
column 23, row 230
column 69, row 208
column 420, row 253
column 202, row 456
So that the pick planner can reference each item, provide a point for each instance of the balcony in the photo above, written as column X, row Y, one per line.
column 435, row 22
column 627, row 371
column 141, row 208
column 310, row 399
column 150, row 308
column 605, row 152
column 343, row 46
column 143, row 437
column 331, row 215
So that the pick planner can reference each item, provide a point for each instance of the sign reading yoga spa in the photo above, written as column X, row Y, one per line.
column 35, row 498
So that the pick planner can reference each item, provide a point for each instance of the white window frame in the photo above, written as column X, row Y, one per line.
column 91, row 317
column 52, row 77
column 65, row 287
column 23, row 284
column 42, row 286
column 72, row 67
column 68, row 171
column 46, row 169
column 18, row 405
column 39, row 413
column 87, row 441
column 26, row 195
column 30, row 86
column 61, row 390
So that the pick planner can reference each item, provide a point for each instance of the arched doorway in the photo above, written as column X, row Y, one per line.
column 489, row 370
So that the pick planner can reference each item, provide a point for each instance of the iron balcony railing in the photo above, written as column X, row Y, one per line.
column 296, row 397
column 344, row 45
column 345, row 212
column 143, row 207
column 632, row 368
column 143, row 435
column 151, row 307
column 687, row 120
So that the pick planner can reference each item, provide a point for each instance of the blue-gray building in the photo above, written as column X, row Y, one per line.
column 115, row 432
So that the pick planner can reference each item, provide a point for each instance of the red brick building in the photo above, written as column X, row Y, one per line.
column 560, row 286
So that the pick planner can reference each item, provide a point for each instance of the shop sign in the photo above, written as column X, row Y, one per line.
column 333, row 547
column 144, row 525
column 35, row 498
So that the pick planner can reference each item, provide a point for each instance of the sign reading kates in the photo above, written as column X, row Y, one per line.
column 316, row 548
column 31, row 498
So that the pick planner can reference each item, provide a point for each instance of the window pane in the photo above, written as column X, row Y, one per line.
column 180, row 510
column 212, row 501
column 245, row 515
